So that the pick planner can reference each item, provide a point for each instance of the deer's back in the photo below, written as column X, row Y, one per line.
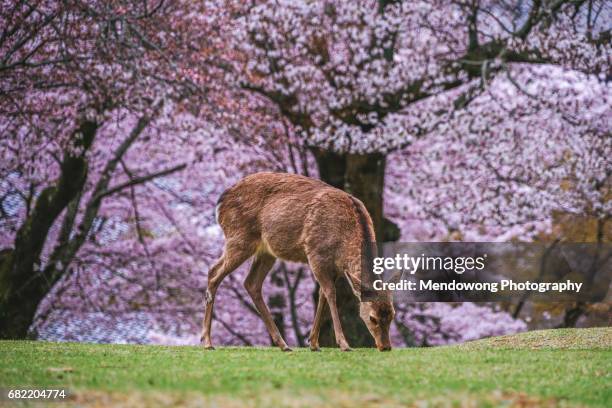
column 287, row 214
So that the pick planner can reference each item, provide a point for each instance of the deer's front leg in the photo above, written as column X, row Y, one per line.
column 330, row 294
column 316, row 326
column 324, row 272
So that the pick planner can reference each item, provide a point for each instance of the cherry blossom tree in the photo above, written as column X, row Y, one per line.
column 359, row 80
column 503, row 166
column 74, row 75
column 509, row 177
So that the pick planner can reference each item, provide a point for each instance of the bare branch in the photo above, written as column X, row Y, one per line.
column 139, row 180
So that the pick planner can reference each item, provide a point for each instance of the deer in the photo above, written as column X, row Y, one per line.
column 299, row 219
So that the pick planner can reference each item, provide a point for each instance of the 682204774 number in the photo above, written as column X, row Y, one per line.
column 36, row 394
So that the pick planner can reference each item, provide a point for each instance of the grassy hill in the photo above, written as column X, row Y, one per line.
column 544, row 368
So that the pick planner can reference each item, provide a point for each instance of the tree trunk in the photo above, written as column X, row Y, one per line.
column 365, row 179
column 363, row 176
column 23, row 283
column 572, row 314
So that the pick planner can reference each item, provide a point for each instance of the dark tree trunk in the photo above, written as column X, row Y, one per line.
column 365, row 179
column 579, row 309
column 572, row 315
column 23, row 283
column 363, row 176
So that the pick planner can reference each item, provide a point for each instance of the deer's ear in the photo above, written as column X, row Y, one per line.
column 396, row 277
column 373, row 319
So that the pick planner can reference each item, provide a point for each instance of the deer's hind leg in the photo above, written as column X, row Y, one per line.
column 316, row 325
column 234, row 254
column 262, row 263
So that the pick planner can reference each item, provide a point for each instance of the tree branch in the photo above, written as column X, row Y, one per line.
column 139, row 180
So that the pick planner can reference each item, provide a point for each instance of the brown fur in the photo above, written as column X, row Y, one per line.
column 295, row 218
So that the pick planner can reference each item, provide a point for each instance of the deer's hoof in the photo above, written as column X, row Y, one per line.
column 209, row 347
column 316, row 348
column 287, row 348
column 346, row 349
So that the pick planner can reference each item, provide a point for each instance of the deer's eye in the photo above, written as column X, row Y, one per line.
column 373, row 320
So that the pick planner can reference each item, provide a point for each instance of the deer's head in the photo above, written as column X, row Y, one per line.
column 378, row 315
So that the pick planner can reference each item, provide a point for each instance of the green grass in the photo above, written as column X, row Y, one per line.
column 560, row 367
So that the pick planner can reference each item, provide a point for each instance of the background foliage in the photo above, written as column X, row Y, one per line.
column 122, row 122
